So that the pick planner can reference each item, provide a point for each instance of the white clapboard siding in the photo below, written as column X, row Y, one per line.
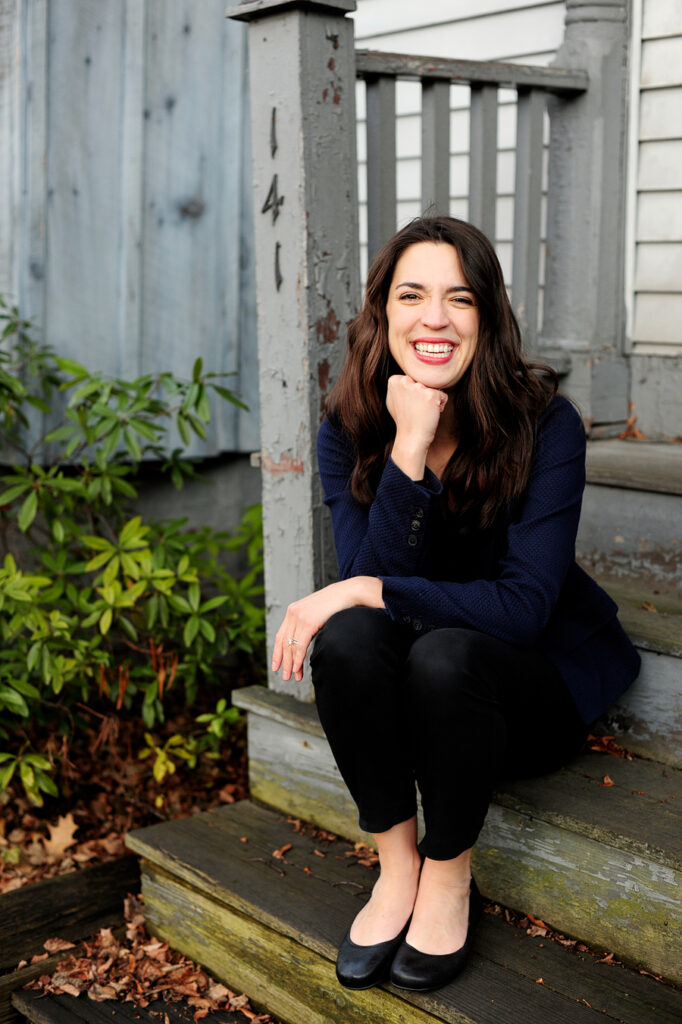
column 659, row 267
column 661, row 62
column 660, row 164
column 125, row 197
column 660, row 113
column 658, row 317
column 518, row 31
column 375, row 17
column 659, row 217
column 661, row 18
column 657, row 275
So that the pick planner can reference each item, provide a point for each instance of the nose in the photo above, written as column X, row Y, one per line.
column 434, row 314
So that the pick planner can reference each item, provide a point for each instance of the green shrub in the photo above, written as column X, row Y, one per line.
column 95, row 603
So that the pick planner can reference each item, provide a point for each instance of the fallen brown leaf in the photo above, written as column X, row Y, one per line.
column 607, row 781
column 279, row 854
column 57, row 945
column 61, row 835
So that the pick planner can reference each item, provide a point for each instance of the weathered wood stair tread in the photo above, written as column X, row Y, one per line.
column 640, row 465
column 71, row 906
column 600, row 863
column 272, row 925
column 39, row 1009
column 657, row 630
column 67, row 907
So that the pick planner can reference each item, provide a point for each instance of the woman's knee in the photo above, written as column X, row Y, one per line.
column 450, row 662
column 351, row 641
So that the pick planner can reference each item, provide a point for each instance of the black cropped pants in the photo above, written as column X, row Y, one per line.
column 453, row 712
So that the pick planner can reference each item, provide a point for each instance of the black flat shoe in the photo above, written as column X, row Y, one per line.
column 423, row 972
column 364, row 966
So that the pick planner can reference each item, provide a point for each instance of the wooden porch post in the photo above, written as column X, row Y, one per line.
column 584, row 313
column 302, row 95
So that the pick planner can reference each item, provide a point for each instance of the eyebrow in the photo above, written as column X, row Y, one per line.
column 421, row 287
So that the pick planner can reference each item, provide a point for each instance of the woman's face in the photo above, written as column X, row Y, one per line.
column 432, row 315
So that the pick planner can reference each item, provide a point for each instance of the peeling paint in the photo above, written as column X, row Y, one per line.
column 327, row 327
column 285, row 465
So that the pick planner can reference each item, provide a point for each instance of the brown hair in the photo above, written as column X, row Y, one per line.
column 497, row 401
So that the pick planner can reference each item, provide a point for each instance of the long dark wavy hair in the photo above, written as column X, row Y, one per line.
column 497, row 401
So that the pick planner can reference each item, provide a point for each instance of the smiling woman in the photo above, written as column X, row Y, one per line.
column 461, row 623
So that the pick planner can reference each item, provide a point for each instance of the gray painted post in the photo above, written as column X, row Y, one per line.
column 584, row 279
column 302, row 94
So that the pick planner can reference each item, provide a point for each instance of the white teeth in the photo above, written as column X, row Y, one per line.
column 428, row 349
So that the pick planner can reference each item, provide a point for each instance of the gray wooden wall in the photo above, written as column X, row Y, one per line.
column 125, row 189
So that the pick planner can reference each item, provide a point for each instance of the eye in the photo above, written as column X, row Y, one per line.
column 463, row 301
column 408, row 296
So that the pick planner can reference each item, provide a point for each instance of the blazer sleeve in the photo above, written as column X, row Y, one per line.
column 390, row 537
column 517, row 604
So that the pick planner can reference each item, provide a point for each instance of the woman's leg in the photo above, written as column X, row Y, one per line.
column 357, row 669
column 475, row 700
column 358, row 665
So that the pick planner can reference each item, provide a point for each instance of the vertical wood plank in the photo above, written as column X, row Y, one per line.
column 132, row 199
column 33, row 219
column 436, row 146
column 483, row 158
column 10, row 146
column 527, row 209
column 191, row 251
column 381, row 163
column 85, row 177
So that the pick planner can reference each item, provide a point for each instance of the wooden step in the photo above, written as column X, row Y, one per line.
column 601, row 863
column 648, row 717
column 631, row 523
column 38, row 1008
column 71, row 906
column 635, row 465
column 244, row 893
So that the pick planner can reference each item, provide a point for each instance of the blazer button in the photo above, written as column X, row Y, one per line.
column 415, row 525
column 407, row 620
column 417, row 625
column 412, row 540
column 419, row 512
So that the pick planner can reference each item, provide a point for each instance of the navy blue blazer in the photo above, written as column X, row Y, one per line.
column 518, row 581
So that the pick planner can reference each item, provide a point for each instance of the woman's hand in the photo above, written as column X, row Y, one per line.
column 416, row 410
column 306, row 617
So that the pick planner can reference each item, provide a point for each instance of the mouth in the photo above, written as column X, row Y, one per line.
column 433, row 351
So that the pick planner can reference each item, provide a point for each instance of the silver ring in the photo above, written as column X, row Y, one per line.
column 292, row 641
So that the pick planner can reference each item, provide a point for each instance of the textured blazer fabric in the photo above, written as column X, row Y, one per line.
column 517, row 581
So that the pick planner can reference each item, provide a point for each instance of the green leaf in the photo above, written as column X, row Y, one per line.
column 197, row 426
column 8, row 496
column 70, row 366
column 13, row 701
column 145, row 429
column 132, row 444
column 183, row 428
column 191, row 629
column 99, row 560
column 6, row 774
column 58, row 530
column 213, row 602
column 105, row 621
column 111, row 571
column 203, row 406
column 196, row 370
column 112, row 440
column 46, row 783
column 28, row 511
column 207, row 629
column 194, row 597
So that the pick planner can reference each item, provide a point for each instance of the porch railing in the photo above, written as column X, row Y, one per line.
column 381, row 71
